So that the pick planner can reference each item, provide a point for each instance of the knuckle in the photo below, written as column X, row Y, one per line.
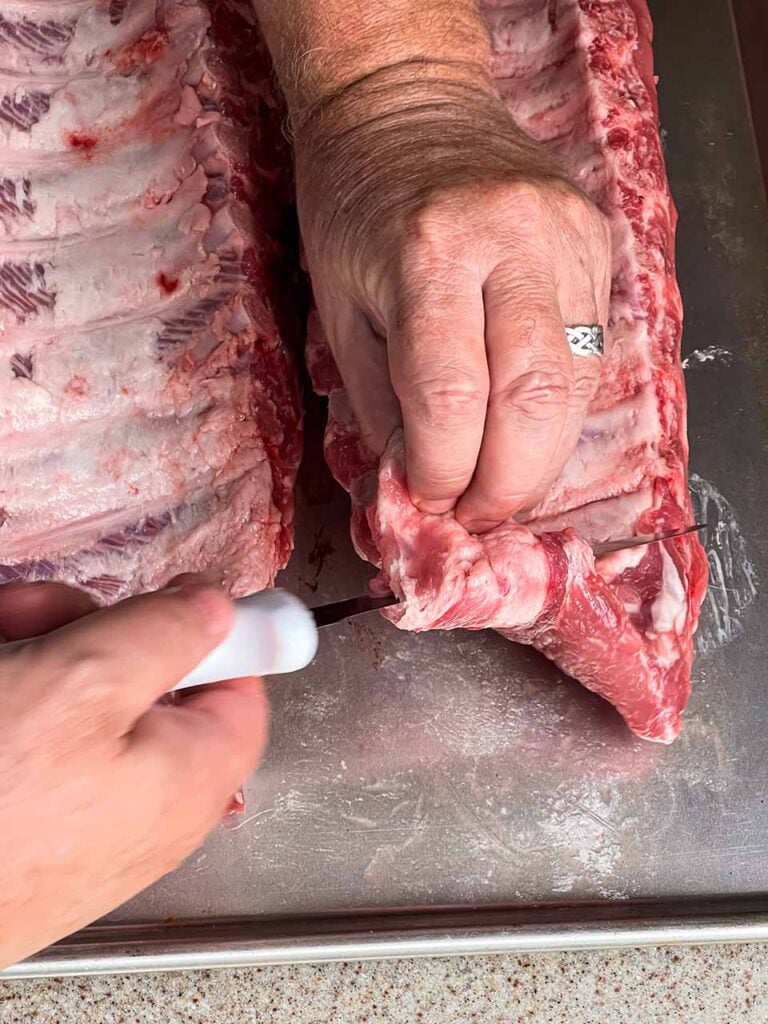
column 428, row 225
column 438, row 491
column 603, row 225
column 584, row 388
column 76, row 702
column 83, row 675
column 527, row 205
column 443, row 494
column 430, row 238
column 578, row 209
column 528, row 194
column 83, row 682
column 597, row 228
column 439, row 232
column 423, row 269
column 587, row 217
column 449, row 397
column 577, row 205
column 539, row 395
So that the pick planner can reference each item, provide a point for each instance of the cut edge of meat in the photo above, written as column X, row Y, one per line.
column 546, row 591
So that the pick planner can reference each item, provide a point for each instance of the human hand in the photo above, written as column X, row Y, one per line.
column 102, row 790
column 447, row 256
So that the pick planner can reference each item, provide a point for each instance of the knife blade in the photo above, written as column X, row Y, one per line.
column 608, row 547
column 338, row 611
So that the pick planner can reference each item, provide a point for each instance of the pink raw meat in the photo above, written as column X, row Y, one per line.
column 577, row 75
column 149, row 418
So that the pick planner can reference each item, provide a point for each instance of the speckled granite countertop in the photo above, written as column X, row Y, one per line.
column 708, row 985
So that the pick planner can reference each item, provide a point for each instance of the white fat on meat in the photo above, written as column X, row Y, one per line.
column 148, row 418
column 69, row 35
column 669, row 610
column 611, row 566
column 69, row 200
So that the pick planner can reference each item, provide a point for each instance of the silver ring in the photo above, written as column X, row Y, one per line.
column 586, row 340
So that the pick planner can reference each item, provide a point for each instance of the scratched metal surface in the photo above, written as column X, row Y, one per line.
column 457, row 769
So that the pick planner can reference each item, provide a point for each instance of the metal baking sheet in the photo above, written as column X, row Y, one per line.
column 452, row 792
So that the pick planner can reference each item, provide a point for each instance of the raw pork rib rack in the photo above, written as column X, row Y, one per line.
column 578, row 76
column 148, row 414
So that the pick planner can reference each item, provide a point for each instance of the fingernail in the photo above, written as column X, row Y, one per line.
column 481, row 525
column 433, row 508
column 191, row 579
column 213, row 606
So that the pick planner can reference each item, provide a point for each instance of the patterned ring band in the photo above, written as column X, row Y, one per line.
column 586, row 340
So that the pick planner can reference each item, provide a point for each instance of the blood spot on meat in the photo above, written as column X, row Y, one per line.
column 618, row 138
column 82, row 141
column 77, row 386
column 598, row 59
column 631, row 202
column 143, row 52
column 166, row 283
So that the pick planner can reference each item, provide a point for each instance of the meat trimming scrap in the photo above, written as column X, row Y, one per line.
column 149, row 419
column 577, row 75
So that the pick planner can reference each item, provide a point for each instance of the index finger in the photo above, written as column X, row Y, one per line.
column 31, row 609
column 120, row 660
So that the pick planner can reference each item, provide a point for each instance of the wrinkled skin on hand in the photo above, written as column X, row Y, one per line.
column 103, row 790
column 447, row 256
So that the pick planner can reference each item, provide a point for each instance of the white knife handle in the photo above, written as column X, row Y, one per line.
column 273, row 633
